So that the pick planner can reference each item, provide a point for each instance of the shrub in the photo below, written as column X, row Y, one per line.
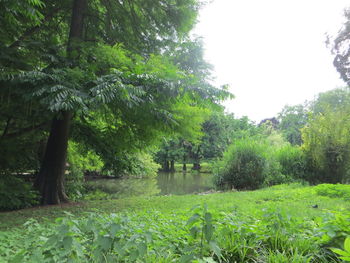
column 144, row 165
column 292, row 161
column 326, row 144
column 273, row 172
column 134, row 164
column 16, row 194
column 333, row 190
column 243, row 166
column 80, row 160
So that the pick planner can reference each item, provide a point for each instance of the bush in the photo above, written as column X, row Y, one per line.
column 326, row 145
column 273, row 172
column 243, row 166
column 133, row 164
column 292, row 161
column 16, row 194
column 80, row 160
column 333, row 190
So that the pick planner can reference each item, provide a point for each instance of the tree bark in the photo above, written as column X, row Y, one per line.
column 50, row 179
column 196, row 160
column 172, row 166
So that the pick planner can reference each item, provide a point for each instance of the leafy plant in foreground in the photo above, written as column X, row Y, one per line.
column 344, row 254
column 202, row 228
column 16, row 194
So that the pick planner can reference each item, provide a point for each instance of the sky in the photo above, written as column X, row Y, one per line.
column 272, row 53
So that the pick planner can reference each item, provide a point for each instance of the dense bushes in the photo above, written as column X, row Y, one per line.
column 16, row 194
column 326, row 143
column 253, row 163
column 292, row 160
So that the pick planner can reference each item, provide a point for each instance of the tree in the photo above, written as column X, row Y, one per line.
column 341, row 50
column 326, row 143
column 291, row 120
column 97, row 62
column 336, row 99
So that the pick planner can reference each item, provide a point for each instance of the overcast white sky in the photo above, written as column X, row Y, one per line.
column 271, row 52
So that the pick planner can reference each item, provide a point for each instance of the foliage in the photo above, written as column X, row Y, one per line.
column 344, row 254
column 334, row 229
column 334, row 100
column 124, row 75
column 334, row 190
column 134, row 164
column 341, row 51
column 217, row 131
column 16, row 194
column 326, row 143
column 82, row 160
column 243, row 165
column 291, row 120
column 293, row 161
column 273, row 172
column 264, row 234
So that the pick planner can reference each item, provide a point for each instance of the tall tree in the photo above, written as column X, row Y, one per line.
column 97, row 62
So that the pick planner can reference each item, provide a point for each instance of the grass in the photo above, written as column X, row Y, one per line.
column 293, row 199
column 276, row 224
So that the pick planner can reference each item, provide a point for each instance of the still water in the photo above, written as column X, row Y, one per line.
column 163, row 184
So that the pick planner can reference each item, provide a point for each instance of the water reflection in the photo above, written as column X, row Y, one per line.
column 163, row 184
column 184, row 183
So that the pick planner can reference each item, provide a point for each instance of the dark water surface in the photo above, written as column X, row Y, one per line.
column 163, row 184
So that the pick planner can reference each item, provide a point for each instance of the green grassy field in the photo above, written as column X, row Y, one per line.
column 289, row 223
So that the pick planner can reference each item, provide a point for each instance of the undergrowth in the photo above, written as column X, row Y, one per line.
column 260, row 227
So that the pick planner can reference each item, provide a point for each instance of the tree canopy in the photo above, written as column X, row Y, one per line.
column 119, row 72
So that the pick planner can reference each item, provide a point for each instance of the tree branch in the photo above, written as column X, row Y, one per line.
column 32, row 30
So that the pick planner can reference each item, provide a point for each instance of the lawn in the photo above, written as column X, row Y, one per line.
column 288, row 223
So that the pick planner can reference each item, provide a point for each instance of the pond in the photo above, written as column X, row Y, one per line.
column 164, row 184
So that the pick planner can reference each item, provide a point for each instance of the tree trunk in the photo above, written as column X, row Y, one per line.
column 172, row 166
column 184, row 167
column 50, row 180
column 196, row 166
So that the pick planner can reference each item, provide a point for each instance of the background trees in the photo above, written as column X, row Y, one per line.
column 291, row 120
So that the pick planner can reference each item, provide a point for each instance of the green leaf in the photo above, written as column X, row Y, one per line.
column 51, row 241
column 142, row 248
column 195, row 207
column 114, row 229
column 105, row 242
column 340, row 252
column 193, row 219
column 186, row 258
column 134, row 254
column 347, row 244
column 208, row 217
column 208, row 232
column 67, row 242
column 194, row 231
column 215, row 248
